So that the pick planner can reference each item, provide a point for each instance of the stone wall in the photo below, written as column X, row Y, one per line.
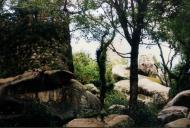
column 28, row 43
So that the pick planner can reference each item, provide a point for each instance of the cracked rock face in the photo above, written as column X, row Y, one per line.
column 146, row 64
column 176, row 111
column 61, row 96
column 172, row 113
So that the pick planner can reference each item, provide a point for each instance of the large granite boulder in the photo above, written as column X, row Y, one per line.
column 146, row 87
column 177, row 108
column 85, row 123
column 92, row 88
column 146, row 65
column 35, row 81
column 76, row 101
column 120, row 121
column 172, row 113
column 122, row 86
column 149, row 87
column 23, row 113
column 120, row 72
column 159, row 99
column 116, row 109
column 181, row 99
column 180, row 123
column 56, row 91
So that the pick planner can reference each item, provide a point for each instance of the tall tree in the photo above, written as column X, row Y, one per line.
column 180, row 28
column 172, row 26
column 131, row 15
column 131, row 19
column 101, row 60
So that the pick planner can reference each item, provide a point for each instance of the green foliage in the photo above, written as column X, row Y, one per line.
column 154, row 79
column 89, row 4
column 183, row 80
column 173, row 91
column 115, row 97
column 109, row 76
column 85, row 68
column 181, row 28
column 144, row 115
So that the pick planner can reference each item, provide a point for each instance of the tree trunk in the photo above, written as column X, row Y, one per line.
column 133, row 77
column 67, row 40
column 101, row 59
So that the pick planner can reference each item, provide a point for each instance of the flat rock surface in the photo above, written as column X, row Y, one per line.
column 180, row 123
column 113, row 120
column 145, row 85
column 181, row 99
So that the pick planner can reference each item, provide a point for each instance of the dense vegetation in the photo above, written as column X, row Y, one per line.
column 86, row 69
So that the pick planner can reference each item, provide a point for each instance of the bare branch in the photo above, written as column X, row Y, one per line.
column 123, row 20
column 147, row 43
column 114, row 50
column 172, row 58
column 123, row 55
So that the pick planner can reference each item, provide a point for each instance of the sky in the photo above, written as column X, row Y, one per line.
column 90, row 47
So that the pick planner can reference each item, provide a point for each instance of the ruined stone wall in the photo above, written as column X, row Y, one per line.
column 29, row 43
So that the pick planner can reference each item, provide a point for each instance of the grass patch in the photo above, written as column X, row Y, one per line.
column 115, row 97
column 154, row 80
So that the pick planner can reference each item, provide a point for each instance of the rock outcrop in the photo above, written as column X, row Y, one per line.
column 92, row 88
column 172, row 113
column 120, row 72
column 35, row 81
column 147, row 88
column 181, row 99
column 55, row 91
column 85, row 123
column 176, row 112
column 180, row 123
column 42, row 45
column 122, row 86
column 146, row 65
column 117, row 109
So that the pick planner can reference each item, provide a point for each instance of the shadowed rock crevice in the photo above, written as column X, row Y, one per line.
column 48, row 96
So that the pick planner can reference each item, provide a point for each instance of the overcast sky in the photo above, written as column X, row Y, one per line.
column 90, row 47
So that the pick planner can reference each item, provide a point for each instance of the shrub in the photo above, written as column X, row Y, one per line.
column 182, row 81
column 115, row 97
column 109, row 76
column 86, row 69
